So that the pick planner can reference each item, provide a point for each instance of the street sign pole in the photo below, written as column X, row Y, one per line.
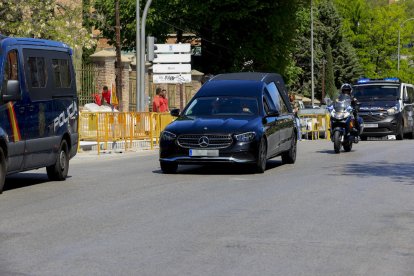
column 142, row 59
column 181, row 97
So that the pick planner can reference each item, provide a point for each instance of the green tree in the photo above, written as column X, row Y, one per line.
column 50, row 20
column 331, row 89
column 255, row 35
column 372, row 28
column 328, row 32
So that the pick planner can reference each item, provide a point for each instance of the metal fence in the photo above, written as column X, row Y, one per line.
column 86, row 81
column 315, row 126
column 108, row 128
column 87, row 77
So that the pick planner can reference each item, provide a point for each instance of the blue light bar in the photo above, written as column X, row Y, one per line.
column 366, row 80
column 363, row 80
column 392, row 79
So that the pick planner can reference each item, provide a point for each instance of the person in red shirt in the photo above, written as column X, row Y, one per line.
column 164, row 101
column 156, row 102
column 97, row 99
column 106, row 95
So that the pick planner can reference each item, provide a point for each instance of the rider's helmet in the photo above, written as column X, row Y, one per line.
column 346, row 88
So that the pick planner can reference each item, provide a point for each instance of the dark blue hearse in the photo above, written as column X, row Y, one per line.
column 38, row 107
column 242, row 118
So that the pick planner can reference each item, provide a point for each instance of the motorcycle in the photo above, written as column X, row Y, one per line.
column 343, row 124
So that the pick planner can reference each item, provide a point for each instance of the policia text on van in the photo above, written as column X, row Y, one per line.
column 386, row 106
column 38, row 107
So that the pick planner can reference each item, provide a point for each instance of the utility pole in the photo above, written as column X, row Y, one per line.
column 118, row 63
column 137, row 58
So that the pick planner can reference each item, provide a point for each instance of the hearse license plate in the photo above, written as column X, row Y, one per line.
column 371, row 125
column 204, row 152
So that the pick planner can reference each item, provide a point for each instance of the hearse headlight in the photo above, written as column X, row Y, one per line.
column 168, row 136
column 245, row 137
column 392, row 110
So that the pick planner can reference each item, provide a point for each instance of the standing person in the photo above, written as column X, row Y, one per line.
column 156, row 102
column 164, row 101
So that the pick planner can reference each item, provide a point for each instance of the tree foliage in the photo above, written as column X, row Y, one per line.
column 328, row 40
column 253, row 35
column 50, row 20
column 372, row 28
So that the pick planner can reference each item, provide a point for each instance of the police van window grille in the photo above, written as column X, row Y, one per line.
column 62, row 73
column 38, row 74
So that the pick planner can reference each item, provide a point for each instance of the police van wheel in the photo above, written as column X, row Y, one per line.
column 2, row 170
column 59, row 171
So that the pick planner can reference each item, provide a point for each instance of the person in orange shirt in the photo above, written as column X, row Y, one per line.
column 164, row 101
column 156, row 102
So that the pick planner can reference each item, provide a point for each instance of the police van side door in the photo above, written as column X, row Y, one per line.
column 12, row 111
column 39, row 112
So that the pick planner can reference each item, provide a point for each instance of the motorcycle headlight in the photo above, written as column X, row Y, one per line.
column 168, row 136
column 245, row 137
column 392, row 110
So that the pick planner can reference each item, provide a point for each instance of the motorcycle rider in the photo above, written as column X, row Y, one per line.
column 346, row 88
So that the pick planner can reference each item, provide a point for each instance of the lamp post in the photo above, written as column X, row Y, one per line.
column 137, row 58
column 399, row 39
column 312, row 82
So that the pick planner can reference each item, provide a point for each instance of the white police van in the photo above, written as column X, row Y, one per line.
column 38, row 107
column 386, row 106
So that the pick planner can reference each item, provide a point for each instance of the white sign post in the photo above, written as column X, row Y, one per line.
column 172, row 64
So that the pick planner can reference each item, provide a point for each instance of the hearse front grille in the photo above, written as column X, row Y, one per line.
column 214, row 141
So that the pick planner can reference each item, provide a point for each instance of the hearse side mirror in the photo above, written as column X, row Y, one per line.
column 12, row 91
column 273, row 113
column 175, row 112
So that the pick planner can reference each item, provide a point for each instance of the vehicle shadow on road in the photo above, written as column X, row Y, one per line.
column 327, row 151
column 21, row 180
column 397, row 172
column 225, row 169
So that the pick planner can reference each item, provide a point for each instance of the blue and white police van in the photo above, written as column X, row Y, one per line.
column 38, row 107
column 386, row 106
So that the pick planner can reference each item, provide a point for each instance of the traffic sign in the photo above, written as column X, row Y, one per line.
column 171, row 68
column 171, row 78
column 172, row 48
column 172, row 58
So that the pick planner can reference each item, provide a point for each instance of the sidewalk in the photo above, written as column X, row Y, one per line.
column 115, row 146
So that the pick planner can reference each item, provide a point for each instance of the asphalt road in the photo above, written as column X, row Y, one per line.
column 117, row 214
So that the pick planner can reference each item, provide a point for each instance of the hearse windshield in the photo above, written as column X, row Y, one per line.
column 376, row 92
column 222, row 106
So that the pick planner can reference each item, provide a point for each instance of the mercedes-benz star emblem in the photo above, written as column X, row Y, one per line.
column 203, row 141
